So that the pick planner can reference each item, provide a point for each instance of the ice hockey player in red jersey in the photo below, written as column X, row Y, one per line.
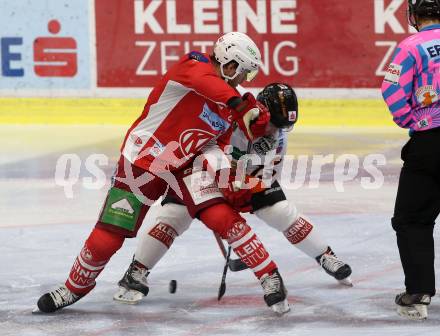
column 193, row 104
column 268, row 204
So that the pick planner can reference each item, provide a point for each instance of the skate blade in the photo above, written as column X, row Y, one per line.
column 415, row 312
column 128, row 296
column 281, row 308
column 37, row 311
column 346, row 282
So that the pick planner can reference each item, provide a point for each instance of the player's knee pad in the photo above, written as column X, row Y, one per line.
column 102, row 244
column 280, row 215
column 176, row 216
column 220, row 218
column 172, row 221
column 238, row 233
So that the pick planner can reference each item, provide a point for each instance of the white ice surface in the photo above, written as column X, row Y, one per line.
column 41, row 233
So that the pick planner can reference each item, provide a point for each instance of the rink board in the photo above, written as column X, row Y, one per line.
column 117, row 111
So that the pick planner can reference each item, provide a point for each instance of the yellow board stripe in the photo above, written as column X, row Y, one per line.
column 116, row 111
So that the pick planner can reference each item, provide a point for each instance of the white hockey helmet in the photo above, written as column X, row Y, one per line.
column 238, row 47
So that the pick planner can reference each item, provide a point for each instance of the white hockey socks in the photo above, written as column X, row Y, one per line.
column 172, row 221
column 154, row 244
column 303, row 235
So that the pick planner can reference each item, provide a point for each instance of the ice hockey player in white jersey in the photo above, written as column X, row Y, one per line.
column 267, row 203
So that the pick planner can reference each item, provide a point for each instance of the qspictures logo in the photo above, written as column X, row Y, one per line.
column 295, row 172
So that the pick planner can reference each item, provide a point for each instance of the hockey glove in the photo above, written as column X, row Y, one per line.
column 252, row 118
column 238, row 198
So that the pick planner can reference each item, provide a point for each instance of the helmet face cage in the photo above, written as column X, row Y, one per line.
column 240, row 48
column 422, row 8
column 282, row 103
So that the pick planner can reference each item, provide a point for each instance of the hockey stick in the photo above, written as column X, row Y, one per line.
column 222, row 288
column 235, row 265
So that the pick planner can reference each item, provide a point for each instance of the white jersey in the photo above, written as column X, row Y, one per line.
column 263, row 156
column 267, row 151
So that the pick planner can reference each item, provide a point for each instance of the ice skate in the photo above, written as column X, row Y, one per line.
column 55, row 300
column 133, row 286
column 275, row 294
column 413, row 306
column 335, row 267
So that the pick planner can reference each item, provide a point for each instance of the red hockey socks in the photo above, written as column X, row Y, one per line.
column 228, row 223
column 95, row 254
column 250, row 249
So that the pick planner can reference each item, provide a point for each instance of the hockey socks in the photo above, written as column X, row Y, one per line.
column 304, row 236
column 95, row 254
column 228, row 223
column 154, row 244
column 299, row 231
column 250, row 249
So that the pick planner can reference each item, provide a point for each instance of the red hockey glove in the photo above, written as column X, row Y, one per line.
column 239, row 199
column 248, row 111
column 258, row 126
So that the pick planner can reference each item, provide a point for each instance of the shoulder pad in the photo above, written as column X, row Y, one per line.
column 195, row 55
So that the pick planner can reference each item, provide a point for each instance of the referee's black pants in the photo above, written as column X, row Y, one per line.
column 416, row 209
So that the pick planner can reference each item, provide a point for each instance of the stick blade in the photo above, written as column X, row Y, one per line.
column 221, row 291
column 237, row 265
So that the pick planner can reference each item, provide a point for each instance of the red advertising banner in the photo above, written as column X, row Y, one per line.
column 306, row 43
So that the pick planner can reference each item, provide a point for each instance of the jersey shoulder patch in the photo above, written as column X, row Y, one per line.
column 393, row 73
column 197, row 56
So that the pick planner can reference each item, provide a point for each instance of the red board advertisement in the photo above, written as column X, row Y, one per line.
column 306, row 43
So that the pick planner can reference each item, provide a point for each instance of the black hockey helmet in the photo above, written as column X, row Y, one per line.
column 282, row 103
column 422, row 9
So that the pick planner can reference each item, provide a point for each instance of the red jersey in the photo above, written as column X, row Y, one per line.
column 184, row 112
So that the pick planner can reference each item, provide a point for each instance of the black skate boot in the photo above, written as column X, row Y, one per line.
column 335, row 267
column 413, row 306
column 134, row 285
column 275, row 294
column 57, row 299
